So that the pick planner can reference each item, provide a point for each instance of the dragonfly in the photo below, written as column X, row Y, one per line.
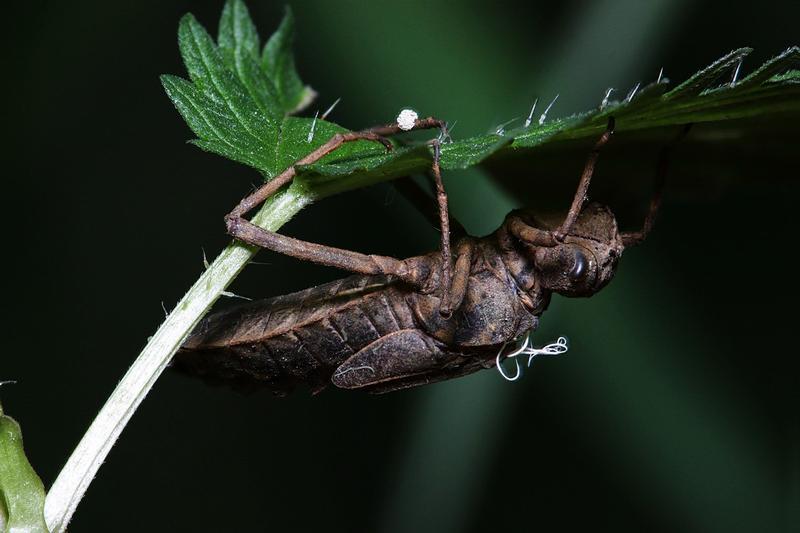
column 400, row 323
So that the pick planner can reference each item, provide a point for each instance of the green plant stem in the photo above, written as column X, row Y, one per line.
column 73, row 480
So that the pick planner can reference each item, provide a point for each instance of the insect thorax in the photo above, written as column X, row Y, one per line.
column 494, row 310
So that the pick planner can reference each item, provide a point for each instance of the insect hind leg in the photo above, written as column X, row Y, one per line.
column 245, row 231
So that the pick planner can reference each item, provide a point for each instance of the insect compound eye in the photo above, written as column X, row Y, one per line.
column 580, row 267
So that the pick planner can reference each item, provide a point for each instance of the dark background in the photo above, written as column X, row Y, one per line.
column 675, row 410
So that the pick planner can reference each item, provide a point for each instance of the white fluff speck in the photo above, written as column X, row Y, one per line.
column 406, row 119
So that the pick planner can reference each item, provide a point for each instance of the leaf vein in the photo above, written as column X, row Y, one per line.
column 217, row 86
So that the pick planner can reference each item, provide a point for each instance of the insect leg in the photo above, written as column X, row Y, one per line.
column 633, row 238
column 444, row 221
column 245, row 231
column 268, row 189
column 458, row 286
column 458, row 282
column 583, row 184
column 530, row 234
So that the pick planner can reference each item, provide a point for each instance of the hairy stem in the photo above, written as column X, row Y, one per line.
column 73, row 480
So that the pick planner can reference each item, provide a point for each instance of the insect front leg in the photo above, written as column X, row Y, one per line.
column 540, row 237
column 583, row 184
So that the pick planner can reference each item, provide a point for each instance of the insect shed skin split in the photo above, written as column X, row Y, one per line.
column 561, row 346
column 401, row 323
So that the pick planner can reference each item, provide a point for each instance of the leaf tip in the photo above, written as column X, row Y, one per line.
column 284, row 34
column 187, row 21
column 288, row 15
column 168, row 82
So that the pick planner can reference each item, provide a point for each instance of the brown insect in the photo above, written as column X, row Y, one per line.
column 402, row 323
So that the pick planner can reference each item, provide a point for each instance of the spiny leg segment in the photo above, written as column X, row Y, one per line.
column 245, row 231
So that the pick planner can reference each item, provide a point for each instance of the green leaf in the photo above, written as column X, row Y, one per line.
column 278, row 63
column 239, row 46
column 331, row 176
column 217, row 128
column 237, row 33
column 238, row 108
column 465, row 154
column 218, row 107
column 233, row 105
column 212, row 76
column 711, row 76
column 21, row 491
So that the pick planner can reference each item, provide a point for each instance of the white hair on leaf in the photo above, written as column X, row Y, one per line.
column 501, row 129
column 632, row 93
column 313, row 127
column 604, row 103
column 328, row 111
column 547, row 110
column 736, row 73
column 530, row 115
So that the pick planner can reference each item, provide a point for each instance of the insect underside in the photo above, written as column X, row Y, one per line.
column 403, row 323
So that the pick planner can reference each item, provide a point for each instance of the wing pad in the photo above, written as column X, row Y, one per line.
column 398, row 355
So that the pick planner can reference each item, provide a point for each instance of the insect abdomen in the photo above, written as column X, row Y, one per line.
column 298, row 338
